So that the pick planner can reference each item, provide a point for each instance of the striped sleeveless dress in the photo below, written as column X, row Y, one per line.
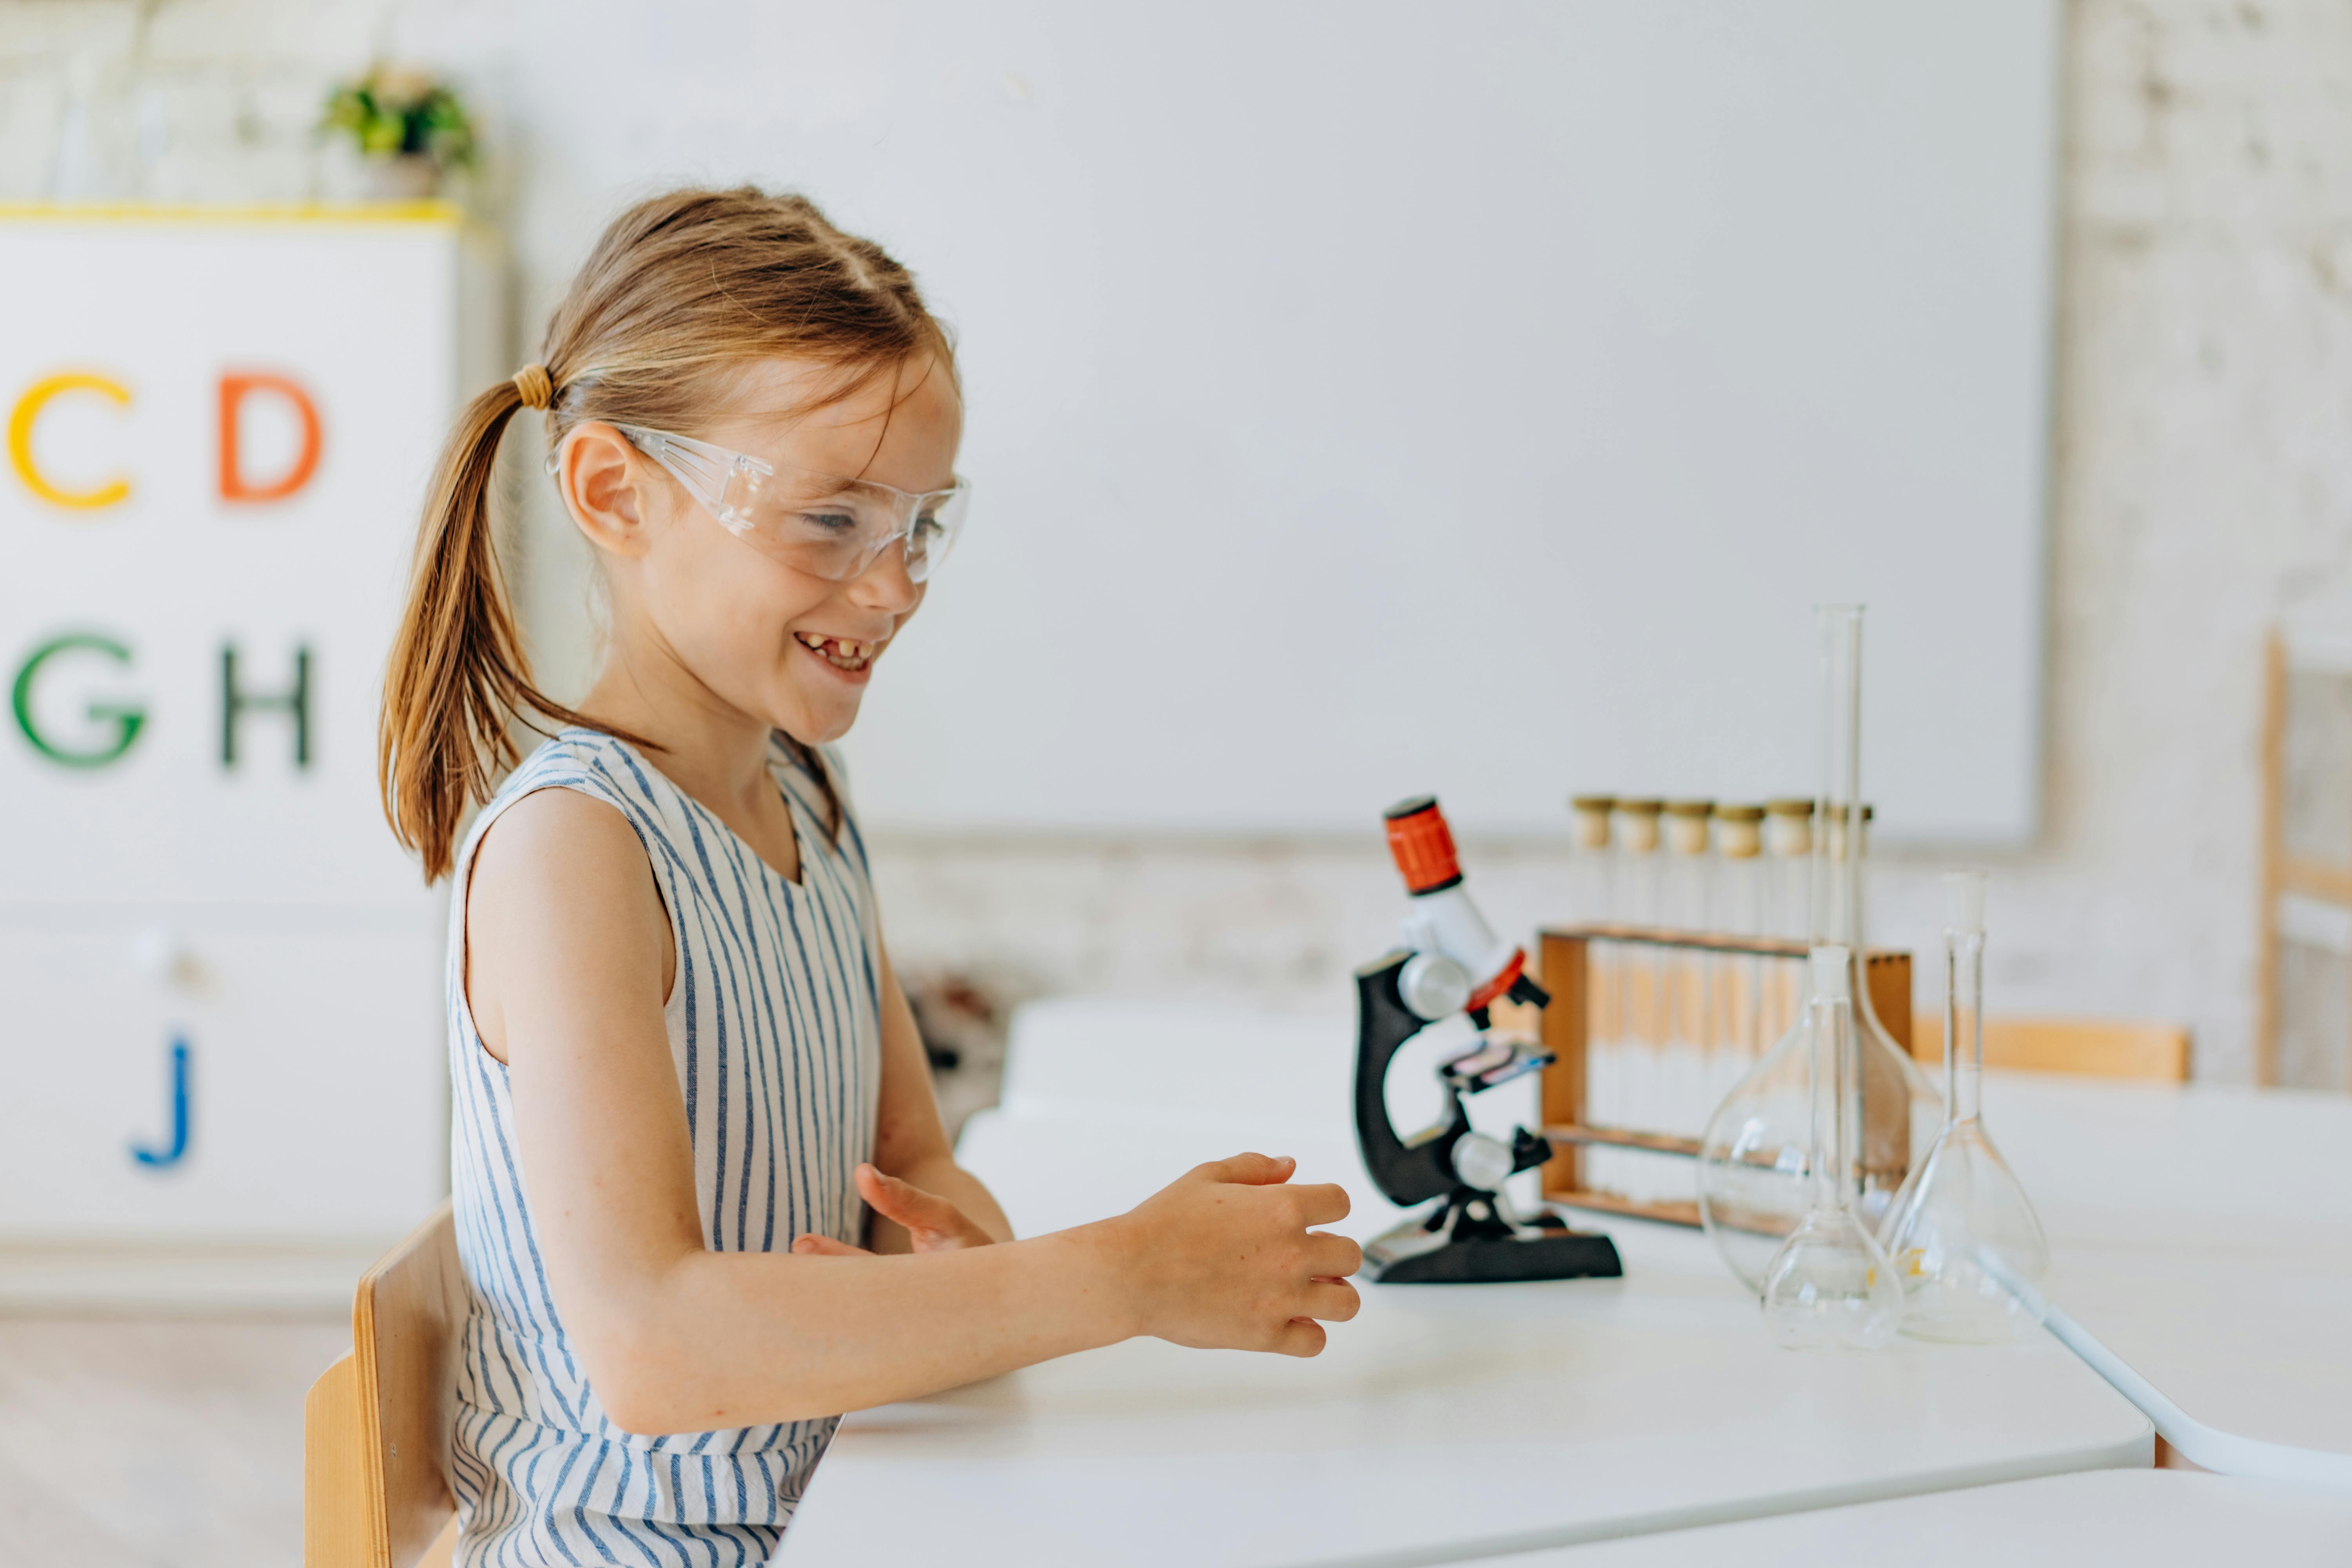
column 774, row 1026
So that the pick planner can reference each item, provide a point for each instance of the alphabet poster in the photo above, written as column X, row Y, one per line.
column 224, row 975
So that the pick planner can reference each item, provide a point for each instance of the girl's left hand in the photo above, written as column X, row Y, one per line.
column 932, row 1224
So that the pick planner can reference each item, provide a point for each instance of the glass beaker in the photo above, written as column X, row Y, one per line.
column 1829, row 1285
column 1752, row 1172
column 1962, row 1229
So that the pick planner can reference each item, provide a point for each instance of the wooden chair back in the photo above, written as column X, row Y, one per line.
column 2095, row 1047
column 2302, row 1033
column 375, row 1427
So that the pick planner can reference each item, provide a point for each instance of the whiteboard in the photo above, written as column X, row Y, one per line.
column 1371, row 398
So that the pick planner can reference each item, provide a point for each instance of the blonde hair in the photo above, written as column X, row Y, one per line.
column 684, row 292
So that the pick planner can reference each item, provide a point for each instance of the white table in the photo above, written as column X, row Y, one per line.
column 1447, row 1423
column 2202, row 1235
column 1443, row 1422
column 2147, row 1519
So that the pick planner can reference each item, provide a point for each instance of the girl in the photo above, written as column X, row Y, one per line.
column 704, row 1199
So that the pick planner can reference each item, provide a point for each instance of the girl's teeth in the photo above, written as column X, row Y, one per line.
column 840, row 652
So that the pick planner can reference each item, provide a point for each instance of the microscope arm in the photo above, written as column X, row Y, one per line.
column 1422, row 1168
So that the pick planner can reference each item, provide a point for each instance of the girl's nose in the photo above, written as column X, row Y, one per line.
column 885, row 585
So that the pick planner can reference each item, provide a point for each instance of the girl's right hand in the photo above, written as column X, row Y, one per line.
column 1221, row 1258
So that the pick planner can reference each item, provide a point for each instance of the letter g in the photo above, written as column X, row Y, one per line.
column 125, row 720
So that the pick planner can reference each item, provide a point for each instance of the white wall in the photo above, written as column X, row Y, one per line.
column 2204, row 485
column 1412, row 377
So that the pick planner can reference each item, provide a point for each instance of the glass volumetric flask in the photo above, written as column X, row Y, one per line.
column 1753, row 1158
column 1901, row 1108
column 1962, row 1229
column 1829, row 1285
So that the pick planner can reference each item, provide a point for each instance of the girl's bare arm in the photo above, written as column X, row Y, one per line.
column 568, row 948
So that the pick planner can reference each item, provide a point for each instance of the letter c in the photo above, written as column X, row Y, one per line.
column 20, row 439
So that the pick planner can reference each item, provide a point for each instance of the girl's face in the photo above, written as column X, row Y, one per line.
column 789, row 648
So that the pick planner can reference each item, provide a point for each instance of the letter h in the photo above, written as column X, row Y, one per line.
column 294, row 701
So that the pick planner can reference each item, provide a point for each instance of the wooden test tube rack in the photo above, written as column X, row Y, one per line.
column 1563, row 964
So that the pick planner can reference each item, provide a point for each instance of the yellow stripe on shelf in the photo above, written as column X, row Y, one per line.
column 430, row 212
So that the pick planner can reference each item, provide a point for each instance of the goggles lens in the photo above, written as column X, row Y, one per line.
column 830, row 528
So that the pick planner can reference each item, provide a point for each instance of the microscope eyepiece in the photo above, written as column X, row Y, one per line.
column 1423, row 845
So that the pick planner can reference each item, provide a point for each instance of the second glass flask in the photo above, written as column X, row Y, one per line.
column 1966, row 1243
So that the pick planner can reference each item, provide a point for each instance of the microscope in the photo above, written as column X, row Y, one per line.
column 1452, row 962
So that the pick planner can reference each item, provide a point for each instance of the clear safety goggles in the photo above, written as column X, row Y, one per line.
column 828, row 527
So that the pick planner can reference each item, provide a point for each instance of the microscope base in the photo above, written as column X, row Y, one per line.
column 1414, row 1254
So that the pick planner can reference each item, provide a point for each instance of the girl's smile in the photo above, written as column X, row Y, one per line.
column 848, row 657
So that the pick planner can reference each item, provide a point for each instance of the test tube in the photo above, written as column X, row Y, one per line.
column 1594, row 900
column 1641, row 980
column 1680, row 1089
column 1739, row 902
column 1787, row 906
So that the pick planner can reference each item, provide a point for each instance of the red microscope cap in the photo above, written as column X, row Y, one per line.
column 1423, row 845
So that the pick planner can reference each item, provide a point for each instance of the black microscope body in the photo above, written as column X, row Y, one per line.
column 1471, row 1235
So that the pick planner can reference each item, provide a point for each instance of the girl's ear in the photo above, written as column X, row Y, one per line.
column 601, row 477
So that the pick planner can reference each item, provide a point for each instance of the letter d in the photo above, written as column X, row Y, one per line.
column 236, row 386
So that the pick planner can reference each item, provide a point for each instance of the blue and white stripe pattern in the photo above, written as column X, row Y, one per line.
column 774, row 1024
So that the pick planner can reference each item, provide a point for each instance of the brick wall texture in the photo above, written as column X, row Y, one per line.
column 2204, row 489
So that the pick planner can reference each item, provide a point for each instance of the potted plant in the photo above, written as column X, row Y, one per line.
column 409, row 129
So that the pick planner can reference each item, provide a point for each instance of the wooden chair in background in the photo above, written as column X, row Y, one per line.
column 2095, row 1047
column 375, row 1428
column 2302, row 1037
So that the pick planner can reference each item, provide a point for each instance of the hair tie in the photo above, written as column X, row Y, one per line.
column 532, row 381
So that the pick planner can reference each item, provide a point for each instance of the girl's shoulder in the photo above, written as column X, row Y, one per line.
column 588, row 760
column 582, row 762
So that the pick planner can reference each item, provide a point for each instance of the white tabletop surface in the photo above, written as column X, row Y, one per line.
column 2146, row 1519
column 2202, row 1233
column 1443, row 1422
column 1446, row 1423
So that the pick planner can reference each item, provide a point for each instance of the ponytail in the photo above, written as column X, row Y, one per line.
column 458, row 676
column 683, row 291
